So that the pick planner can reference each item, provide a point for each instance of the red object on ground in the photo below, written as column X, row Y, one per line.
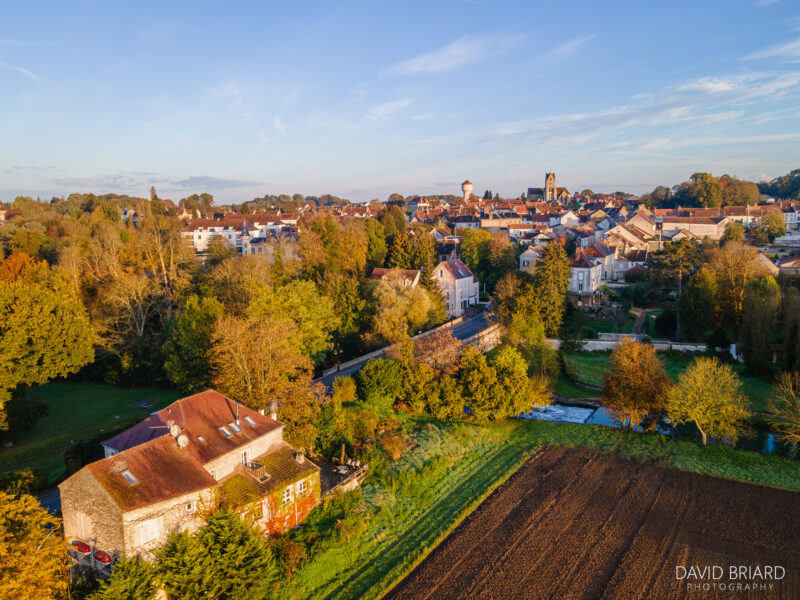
column 102, row 557
column 82, row 547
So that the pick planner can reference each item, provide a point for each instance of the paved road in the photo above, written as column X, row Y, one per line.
column 465, row 329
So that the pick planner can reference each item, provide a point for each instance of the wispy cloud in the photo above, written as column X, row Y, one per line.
column 24, row 72
column 131, row 181
column 698, row 102
column 465, row 50
column 788, row 50
column 763, row 3
column 385, row 111
column 277, row 122
column 424, row 116
column 206, row 182
column 566, row 49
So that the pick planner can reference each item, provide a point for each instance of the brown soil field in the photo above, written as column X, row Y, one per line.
column 575, row 523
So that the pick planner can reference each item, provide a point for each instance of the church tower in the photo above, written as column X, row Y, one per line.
column 550, row 187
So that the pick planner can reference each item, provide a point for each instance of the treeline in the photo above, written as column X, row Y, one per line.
column 705, row 190
column 786, row 187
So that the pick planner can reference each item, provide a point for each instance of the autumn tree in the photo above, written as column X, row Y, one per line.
column 218, row 250
column 551, row 281
column 733, row 266
column 773, row 223
column 187, row 349
column 474, row 251
column 257, row 361
column 709, row 394
column 32, row 552
column 635, row 383
column 235, row 282
column 300, row 410
column 734, row 232
column 44, row 329
column 440, row 350
column 401, row 311
column 760, row 308
column 736, row 192
column 786, row 409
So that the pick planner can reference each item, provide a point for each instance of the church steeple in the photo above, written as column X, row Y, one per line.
column 550, row 187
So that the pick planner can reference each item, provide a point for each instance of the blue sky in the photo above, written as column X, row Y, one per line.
column 362, row 99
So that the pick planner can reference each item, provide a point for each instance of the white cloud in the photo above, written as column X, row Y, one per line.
column 24, row 72
column 566, row 49
column 463, row 51
column 424, row 117
column 277, row 122
column 382, row 112
column 788, row 50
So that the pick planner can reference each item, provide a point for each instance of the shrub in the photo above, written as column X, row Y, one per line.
column 394, row 444
column 380, row 382
column 666, row 322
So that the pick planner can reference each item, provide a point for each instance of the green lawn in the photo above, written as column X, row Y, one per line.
column 590, row 367
column 405, row 510
column 77, row 411
column 566, row 387
column 603, row 326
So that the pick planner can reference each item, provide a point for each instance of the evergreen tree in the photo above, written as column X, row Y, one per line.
column 762, row 298
column 551, row 281
column 697, row 305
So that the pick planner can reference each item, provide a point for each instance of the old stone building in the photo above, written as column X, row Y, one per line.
column 170, row 471
column 550, row 192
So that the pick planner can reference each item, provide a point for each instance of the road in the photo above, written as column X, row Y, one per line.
column 465, row 329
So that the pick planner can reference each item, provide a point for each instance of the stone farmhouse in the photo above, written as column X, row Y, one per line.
column 459, row 286
column 168, row 472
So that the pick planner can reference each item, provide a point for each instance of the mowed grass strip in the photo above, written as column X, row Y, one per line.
column 78, row 411
column 590, row 368
column 430, row 490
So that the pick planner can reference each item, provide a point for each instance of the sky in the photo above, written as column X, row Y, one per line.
column 364, row 99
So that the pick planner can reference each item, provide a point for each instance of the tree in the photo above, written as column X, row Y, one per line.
column 132, row 579
column 44, row 329
column 187, row 350
column 790, row 328
column 762, row 299
column 236, row 282
column 440, row 350
column 475, row 251
column 659, row 197
column 672, row 264
column 551, row 281
column 218, row 250
column 502, row 258
column 311, row 312
column 479, row 386
column 733, row 266
column 376, row 243
column 709, row 394
column 697, row 305
column 258, row 361
column 705, row 190
column 786, row 409
column 635, row 384
column 519, row 392
column 401, row 311
column 226, row 558
column 734, row 232
column 300, row 410
column 773, row 223
column 32, row 551
column 379, row 385
column 736, row 192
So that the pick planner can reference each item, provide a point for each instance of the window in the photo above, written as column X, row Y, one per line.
column 190, row 507
column 244, row 458
column 302, row 487
column 214, row 474
column 580, row 287
column 235, row 427
column 201, row 439
column 225, row 431
column 149, row 530
column 287, row 495
column 441, row 273
column 248, row 419
column 580, row 275
column 129, row 477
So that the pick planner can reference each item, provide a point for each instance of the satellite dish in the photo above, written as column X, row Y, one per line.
column 175, row 430
column 183, row 440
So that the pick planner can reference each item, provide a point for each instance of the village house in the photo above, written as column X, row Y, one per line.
column 459, row 286
column 529, row 258
column 408, row 277
column 584, row 279
column 232, row 228
column 170, row 471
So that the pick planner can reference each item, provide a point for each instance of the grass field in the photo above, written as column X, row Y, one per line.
column 606, row 326
column 409, row 507
column 77, row 411
column 590, row 368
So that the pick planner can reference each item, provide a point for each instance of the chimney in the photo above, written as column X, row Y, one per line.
column 273, row 410
column 300, row 458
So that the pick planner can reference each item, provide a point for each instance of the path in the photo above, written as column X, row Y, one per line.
column 641, row 315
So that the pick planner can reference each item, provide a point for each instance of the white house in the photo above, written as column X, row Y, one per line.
column 584, row 278
column 529, row 258
column 459, row 286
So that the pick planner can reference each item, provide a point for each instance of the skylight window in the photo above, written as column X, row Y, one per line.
column 225, row 431
column 201, row 439
column 250, row 421
column 235, row 427
column 129, row 477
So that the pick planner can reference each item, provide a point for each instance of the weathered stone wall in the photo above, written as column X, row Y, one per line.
column 83, row 498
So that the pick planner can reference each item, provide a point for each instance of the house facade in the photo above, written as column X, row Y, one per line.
column 170, row 471
column 584, row 279
column 459, row 286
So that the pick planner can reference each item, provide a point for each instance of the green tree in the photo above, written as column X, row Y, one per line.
column 502, row 259
column 44, row 329
column 697, row 305
column 736, row 192
column 709, row 394
column 218, row 250
column 671, row 265
column 705, row 190
column 734, row 232
column 551, row 281
column 312, row 313
column 773, row 223
column 376, row 243
column 790, row 328
column 225, row 559
column 379, row 385
column 187, row 350
column 132, row 579
column 480, row 389
column 519, row 392
column 475, row 251
column 762, row 299
column 635, row 384
column 401, row 252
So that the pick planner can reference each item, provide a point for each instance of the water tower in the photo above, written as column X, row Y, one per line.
column 466, row 187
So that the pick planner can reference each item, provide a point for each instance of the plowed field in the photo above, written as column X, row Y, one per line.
column 575, row 523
